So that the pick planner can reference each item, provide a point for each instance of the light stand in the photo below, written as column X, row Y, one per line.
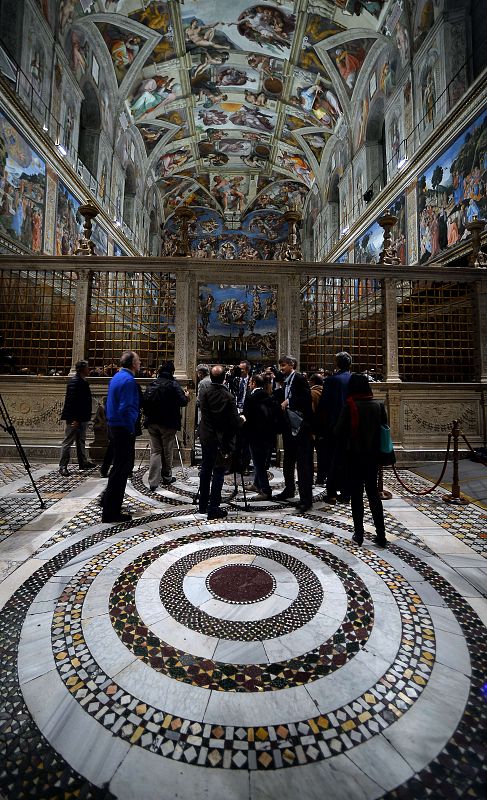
column 9, row 428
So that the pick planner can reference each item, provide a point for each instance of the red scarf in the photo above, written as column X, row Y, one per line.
column 354, row 418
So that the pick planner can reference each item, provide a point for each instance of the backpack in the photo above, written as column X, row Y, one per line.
column 151, row 402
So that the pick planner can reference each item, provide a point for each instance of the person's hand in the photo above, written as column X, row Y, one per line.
column 75, row 423
column 242, row 418
column 284, row 404
column 186, row 392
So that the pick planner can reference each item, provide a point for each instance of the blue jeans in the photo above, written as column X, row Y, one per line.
column 210, row 500
column 260, row 454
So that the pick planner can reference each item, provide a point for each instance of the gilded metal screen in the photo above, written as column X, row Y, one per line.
column 36, row 319
column 342, row 314
column 436, row 331
column 131, row 311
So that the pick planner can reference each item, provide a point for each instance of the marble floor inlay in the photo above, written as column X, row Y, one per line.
column 260, row 656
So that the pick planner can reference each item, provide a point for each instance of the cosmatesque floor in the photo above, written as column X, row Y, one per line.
column 262, row 656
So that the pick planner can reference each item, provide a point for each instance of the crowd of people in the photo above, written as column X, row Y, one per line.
column 240, row 413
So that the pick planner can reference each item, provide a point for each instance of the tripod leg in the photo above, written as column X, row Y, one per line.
column 246, row 505
column 143, row 455
column 9, row 428
column 180, row 456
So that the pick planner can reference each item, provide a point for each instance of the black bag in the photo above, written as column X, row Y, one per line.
column 152, row 399
column 295, row 421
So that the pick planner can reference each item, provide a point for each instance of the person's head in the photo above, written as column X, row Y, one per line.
column 257, row 382
column 315, row 379
column 217, row 374
column 130, row 360
column 358, row 384
column 287, row 364
column 202, row 370
column 343, row 360
column 166, row 368
column 244, row 368
column 81, row 368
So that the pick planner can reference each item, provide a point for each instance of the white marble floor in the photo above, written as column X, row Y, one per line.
column 261, row 656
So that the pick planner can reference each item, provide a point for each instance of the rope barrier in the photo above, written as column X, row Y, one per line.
column 432, row 488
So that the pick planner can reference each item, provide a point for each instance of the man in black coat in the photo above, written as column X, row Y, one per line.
column 76, row 413
column 331, row 403
column 260, row 414
column 219, row 423
column 297, row 448
column 163, row 420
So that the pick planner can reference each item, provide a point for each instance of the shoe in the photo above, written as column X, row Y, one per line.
column 88, row 465
column 64, row 472
column 284, row 495
column 302, row 507
column 341, row 498
column 168, row 481
column 357, row 539
column 104, row 473
column 118, row 518
column 379, row 541
column 252, row 488
column 152, row 488
column 261, row 497
column 217, row 513
column 332, row 501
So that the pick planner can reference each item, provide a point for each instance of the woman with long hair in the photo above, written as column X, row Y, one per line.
column 358, row 435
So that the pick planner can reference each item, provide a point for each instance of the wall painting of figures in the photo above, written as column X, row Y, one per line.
column 237, row 322
column 69, row 222
column 22, row 189
column 369, row 245
column 452, row 191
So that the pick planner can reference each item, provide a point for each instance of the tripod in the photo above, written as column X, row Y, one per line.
column 234, row 493
column 9, row 428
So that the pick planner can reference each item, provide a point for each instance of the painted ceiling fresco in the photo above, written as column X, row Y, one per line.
column 232, row 101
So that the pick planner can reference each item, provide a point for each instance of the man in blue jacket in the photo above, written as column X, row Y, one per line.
column 122, row 411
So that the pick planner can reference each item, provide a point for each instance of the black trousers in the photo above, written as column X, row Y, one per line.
column 362, row 476
column 297, row 454
column 123, row 463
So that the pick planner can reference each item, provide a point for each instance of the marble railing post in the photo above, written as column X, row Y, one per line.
column 185, row 340
column 81, row 317
column 289, row 317
column 389, row 307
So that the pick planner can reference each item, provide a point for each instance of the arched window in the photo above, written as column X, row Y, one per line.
column 89, row 129
column 129, row 195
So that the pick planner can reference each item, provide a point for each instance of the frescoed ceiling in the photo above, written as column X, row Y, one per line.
column 232, row 99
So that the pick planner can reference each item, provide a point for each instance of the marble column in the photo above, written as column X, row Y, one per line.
column 81, row 317
column 389, row 307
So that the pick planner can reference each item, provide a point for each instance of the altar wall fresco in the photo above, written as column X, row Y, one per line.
column 237, row 321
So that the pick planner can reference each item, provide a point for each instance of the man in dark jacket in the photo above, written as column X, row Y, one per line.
column 219, row 423
column 260, row 414
column 331, row 403
column 163, row 419
column 297, row 448
column 77, row 413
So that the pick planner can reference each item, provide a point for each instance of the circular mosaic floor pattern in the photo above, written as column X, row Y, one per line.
column 119, row 682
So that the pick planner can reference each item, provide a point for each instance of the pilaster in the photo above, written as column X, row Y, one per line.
column 481, row 327
column 81, row 316
column 289, row 316
column 389, row 305
column 185, row 339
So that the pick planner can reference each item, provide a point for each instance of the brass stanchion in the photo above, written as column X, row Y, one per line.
column 384, row 494
column 455, row 496
column 86, row 247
